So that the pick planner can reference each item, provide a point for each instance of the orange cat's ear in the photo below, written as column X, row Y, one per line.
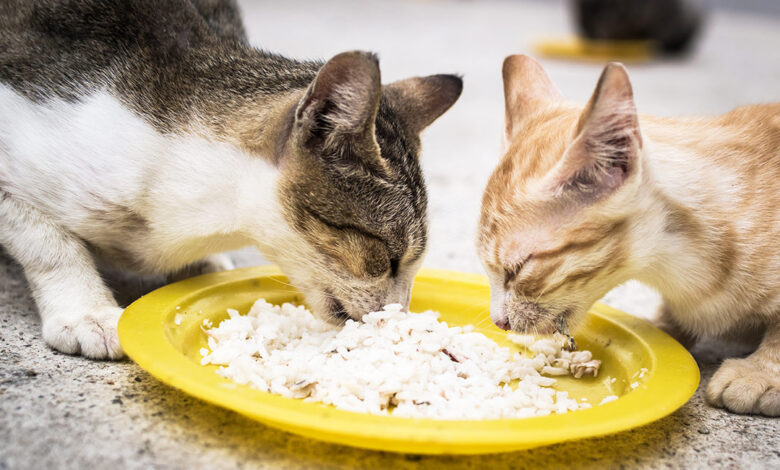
column 608, row 140
column 527, row 87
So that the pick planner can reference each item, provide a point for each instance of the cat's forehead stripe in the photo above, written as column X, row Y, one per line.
column 612, row 230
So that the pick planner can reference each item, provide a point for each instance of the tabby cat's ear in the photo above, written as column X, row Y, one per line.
column 527, row 87
column 607, row 141
column 342, row 101
column 423, row 99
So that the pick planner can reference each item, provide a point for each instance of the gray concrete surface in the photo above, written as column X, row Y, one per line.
column 58, row 411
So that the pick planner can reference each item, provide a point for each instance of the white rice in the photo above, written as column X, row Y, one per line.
column 409, row 363
column 608, row 399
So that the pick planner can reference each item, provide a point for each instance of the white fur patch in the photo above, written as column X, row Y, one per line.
column 91, row 165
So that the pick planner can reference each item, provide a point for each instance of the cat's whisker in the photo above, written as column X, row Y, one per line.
column 483, row 323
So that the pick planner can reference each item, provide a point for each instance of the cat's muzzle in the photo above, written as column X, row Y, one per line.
column 336, row 311
column 532, row 317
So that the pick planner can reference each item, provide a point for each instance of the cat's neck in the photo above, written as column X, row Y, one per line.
column 691, row 217
column 233, row 96
column 262, row 130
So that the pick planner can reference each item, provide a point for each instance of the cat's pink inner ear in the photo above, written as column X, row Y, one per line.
column 607, row 139
column 527, row 87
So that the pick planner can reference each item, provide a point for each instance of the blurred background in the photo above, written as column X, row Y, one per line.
column 732, row 59
column 60, row 411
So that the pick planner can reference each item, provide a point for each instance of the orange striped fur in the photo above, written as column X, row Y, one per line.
column 587, row 198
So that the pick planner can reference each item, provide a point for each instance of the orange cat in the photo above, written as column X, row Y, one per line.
column 584, row 200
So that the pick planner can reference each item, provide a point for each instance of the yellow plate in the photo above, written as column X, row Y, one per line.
column 162, row 333
column 593, row 50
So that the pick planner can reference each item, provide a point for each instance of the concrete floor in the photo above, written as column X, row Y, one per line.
column 58, row 411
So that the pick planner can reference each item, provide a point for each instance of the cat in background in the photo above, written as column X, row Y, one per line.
column 149, row 135
column 586, row 199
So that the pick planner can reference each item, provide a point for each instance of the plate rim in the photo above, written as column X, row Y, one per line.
column 142, row 336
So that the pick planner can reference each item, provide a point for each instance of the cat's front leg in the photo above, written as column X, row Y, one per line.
column 666, row 321
column 78, row 313
column 210, row 264
column 752, row 384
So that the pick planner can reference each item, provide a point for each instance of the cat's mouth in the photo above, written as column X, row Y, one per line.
column 337, row 312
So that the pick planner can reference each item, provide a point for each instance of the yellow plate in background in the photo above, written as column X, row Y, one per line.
column 592, row 50
column 162, row 333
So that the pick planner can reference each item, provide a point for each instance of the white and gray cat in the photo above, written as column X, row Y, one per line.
column 150, row 136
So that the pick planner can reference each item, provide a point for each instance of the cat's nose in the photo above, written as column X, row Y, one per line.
column 503, row 323
column 401, row 296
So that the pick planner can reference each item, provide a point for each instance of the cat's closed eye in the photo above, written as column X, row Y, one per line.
column 511, row 273
column 394, row 263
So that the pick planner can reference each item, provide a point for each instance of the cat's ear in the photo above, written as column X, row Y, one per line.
column 607, row 141
column 527, row 87
column 342, row 101
column 423, row 99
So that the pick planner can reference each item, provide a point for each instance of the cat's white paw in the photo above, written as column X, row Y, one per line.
column 92, row 335
column 746, row 386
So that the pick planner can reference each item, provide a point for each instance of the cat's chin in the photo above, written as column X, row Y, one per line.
column 328, row 307
column 524, row 327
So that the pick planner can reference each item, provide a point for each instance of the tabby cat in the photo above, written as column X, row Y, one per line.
column 150, row 135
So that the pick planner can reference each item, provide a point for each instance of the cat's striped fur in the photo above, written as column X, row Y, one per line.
column 150, row 135
column 584, row 200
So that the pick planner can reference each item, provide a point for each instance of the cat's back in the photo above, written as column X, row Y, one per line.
column 168, row 61
column 745, row 141
column 754, row 135
column 59, row 48
column 760, row 124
